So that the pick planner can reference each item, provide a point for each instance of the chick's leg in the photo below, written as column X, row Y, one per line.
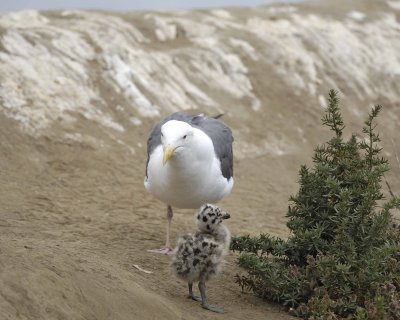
column 191, row 295
column 204, row 303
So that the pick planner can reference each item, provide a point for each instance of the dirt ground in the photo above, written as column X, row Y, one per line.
column 74, row 222
column 76, row 219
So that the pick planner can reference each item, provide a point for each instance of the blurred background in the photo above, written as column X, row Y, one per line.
column 128, row 5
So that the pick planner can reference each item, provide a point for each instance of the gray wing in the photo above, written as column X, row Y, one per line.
column 220, row 135
column 222, row 139
column 154, row 139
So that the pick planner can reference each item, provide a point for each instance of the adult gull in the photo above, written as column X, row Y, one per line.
column 190, row 163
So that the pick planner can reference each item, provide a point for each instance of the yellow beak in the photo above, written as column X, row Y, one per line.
column 168, row 151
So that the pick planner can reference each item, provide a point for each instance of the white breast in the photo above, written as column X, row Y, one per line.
column 190, row 179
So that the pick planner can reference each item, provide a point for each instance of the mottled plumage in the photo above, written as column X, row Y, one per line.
column 198, row 257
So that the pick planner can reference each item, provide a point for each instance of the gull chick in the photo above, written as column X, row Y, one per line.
column 198, row 257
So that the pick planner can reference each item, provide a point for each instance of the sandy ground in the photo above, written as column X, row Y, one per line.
column 74, row 222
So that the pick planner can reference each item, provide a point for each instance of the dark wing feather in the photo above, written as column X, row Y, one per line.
column 220, row 135
column 222, row 139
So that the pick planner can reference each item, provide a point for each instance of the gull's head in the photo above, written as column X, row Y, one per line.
column 175, row 137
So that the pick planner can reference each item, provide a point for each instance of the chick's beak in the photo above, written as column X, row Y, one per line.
column 168, row 151
column 226, row 215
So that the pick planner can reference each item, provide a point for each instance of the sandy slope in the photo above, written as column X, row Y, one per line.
column 74, row 216
column 74, row 223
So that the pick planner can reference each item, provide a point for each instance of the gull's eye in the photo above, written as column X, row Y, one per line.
column 185, row 136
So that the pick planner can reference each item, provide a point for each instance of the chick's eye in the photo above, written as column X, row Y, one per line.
column 185, row 136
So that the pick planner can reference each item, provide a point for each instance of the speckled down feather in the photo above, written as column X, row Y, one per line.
column 199, row 255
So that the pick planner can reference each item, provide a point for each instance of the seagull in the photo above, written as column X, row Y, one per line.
column 189, row 163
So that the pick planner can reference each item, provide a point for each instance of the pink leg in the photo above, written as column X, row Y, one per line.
column 170, row 214
column 167, row 249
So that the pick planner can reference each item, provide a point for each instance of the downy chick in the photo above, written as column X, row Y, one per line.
column 197, row 257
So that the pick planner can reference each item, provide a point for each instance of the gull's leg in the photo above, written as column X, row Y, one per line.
column 204, row 303
column 170, row 214
column 167, row 249
column 191, row 295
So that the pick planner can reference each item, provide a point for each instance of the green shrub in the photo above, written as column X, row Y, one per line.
column 342, row 259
